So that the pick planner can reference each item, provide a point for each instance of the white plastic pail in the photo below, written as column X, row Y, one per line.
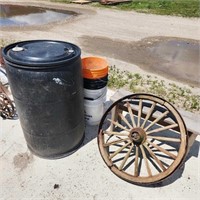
column 94, row 110
column 95, row 94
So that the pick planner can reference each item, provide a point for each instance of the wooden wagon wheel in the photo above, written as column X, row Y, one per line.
column 7, row 108
column 142, row 138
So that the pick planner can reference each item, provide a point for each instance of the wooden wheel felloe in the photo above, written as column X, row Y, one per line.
column 142, row 138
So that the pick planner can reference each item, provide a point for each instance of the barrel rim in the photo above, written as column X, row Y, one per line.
column 38, row 65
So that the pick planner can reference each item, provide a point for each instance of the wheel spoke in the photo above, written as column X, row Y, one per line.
column 148, row 114
column 139, row 112
column 119, row 150
column 162, row 150
column 156, row 120
column 115, row 133
column 126, row 157
column 136, row 161
column 165, row 138
column 115, row 142
column 131, row 114
column 155, row 158
column 162, row 129
column 119, row 125
column 146, row 160
column 125, row 120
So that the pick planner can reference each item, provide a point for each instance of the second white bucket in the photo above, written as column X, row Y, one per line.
column 95, row 94
column 94, row 109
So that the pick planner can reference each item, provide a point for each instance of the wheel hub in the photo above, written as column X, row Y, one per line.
column 137, row 135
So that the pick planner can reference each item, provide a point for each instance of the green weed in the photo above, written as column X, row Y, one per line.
column 136, row 83
column 184, row 8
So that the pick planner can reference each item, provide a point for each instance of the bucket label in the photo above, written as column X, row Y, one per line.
column 87, row 117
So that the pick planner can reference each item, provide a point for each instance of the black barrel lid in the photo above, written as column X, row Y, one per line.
column 40, row 53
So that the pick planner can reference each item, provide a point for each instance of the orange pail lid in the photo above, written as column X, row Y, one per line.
column 94, row 67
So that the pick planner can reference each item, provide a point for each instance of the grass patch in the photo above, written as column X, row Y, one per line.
column 184, row 8
column 182, row 97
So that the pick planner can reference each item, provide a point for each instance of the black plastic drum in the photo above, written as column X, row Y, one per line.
column 47, row 85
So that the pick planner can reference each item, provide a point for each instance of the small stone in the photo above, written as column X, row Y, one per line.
column 56, row 186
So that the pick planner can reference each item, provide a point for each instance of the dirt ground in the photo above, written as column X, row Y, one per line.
column 165, row 45
column 148, row 44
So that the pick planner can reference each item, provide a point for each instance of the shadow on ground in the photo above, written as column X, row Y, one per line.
column 193, row 152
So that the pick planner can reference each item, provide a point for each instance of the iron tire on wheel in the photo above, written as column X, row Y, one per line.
column 142, row 138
